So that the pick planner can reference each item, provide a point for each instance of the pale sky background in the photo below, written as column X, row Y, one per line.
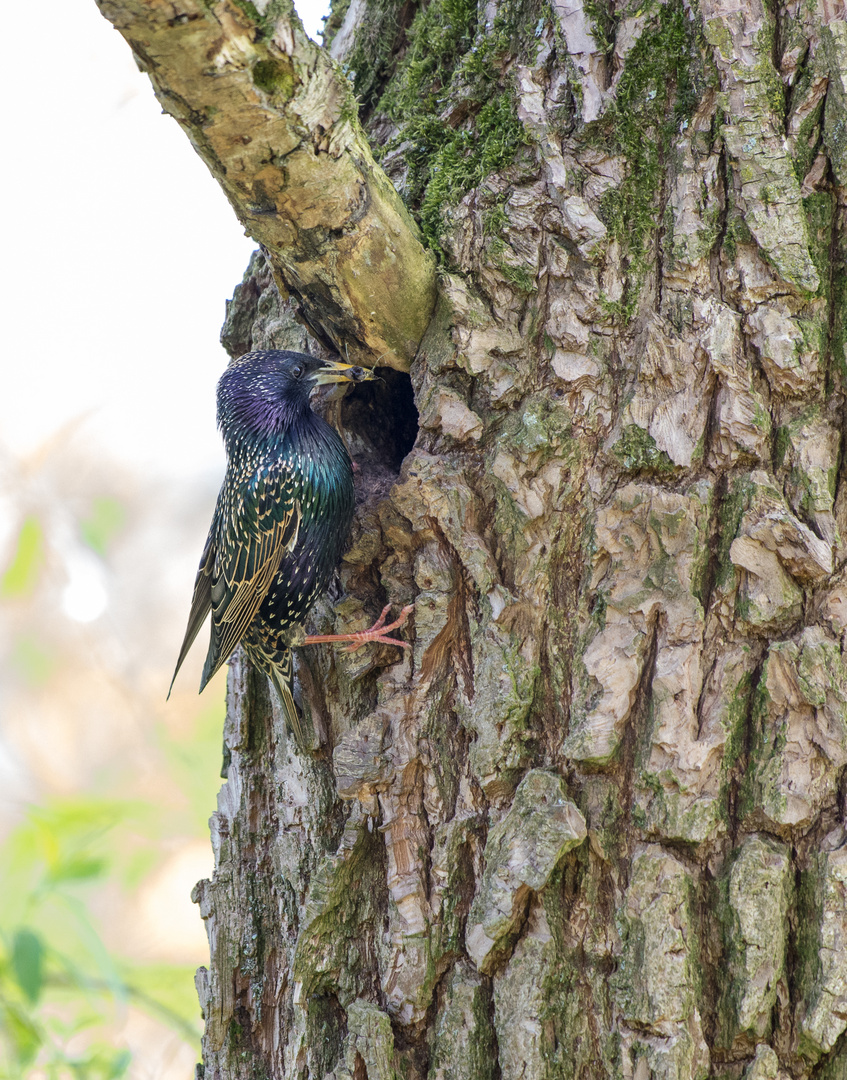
column 118, row 250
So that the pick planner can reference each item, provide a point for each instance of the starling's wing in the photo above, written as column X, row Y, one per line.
column 201, row 602
column 266, row 526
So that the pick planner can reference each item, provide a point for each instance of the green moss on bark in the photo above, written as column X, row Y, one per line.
column 371, row 61
column 637, row 451
column 465, row 158
column 729, row 518
column 275, row 78
column 661, row 84
column 449, row 60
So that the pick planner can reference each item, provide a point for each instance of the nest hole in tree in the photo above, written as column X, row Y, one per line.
column 380, row 423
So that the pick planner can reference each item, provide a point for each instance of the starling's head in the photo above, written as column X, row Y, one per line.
column 266, row 391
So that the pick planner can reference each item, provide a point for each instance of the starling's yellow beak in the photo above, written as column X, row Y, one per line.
column 332, row 372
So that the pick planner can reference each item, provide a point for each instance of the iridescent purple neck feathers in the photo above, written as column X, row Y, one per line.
column 258, row 399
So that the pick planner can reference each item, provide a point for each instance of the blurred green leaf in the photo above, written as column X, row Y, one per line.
column 105, row 520
column 23, row 1036
column 119, row 1065
column 28, row 963
column 79, row 868
column 34, row 662
column 69, row 829
column 21, row 576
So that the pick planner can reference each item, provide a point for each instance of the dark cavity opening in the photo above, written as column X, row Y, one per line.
column 380, row 419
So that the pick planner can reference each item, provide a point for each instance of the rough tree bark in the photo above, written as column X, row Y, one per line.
column 593, row 824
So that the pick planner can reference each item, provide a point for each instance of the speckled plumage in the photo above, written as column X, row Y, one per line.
column 281, row 519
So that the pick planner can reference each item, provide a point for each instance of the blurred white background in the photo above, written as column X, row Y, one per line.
column 119, row 252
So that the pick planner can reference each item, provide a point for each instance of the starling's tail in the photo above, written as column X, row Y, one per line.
column 282, row 680
column 279, row 668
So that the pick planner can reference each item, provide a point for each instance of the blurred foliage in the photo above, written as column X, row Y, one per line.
column 102, row 524
column 82, row 875
column 60, row 987
column 21, row 576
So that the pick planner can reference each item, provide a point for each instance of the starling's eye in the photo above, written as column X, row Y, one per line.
column 296, row 371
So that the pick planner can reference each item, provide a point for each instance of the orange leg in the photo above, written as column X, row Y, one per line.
column 376, row 633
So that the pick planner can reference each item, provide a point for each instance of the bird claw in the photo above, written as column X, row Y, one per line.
column 379, row 631
column 376, row 633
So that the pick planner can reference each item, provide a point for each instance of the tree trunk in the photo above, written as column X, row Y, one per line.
column 593, row 824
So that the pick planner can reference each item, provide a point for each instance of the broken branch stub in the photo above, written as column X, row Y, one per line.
column 275, row 121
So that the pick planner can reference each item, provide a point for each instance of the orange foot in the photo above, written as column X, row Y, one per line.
column 377, row 633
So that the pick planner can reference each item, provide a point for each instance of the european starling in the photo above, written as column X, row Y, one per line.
column 281, row 519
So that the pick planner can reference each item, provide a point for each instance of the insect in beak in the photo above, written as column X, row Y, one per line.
column 333, row 372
